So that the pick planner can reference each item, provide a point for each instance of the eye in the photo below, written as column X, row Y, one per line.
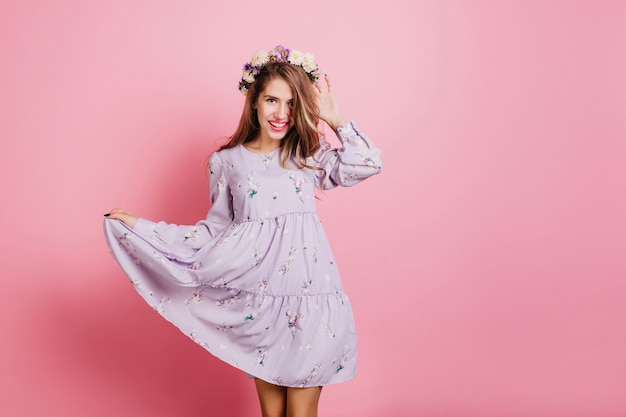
column 271, row 100
column 291, row 103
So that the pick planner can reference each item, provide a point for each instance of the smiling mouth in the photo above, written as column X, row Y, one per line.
column 278, row 126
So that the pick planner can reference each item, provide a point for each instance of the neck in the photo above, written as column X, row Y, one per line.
column 263, row 146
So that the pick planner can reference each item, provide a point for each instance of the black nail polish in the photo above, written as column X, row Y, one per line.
column 107, row 215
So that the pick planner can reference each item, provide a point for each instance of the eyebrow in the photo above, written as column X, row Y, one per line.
column 274, row 97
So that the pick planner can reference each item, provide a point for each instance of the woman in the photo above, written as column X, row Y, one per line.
column 256, row 283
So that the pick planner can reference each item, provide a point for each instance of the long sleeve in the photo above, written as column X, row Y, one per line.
column 185, row 240
column 357, row 160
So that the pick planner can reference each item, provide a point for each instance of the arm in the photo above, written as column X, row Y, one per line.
column 195, row 236
column 356, row 160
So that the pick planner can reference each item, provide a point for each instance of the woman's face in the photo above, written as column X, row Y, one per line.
column 274, row 109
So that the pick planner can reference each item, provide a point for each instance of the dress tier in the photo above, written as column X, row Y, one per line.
column 256, row 283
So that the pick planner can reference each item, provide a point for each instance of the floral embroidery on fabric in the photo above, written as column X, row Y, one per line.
column 255, row 313
column 127, row 245
column 348, row 177
column 298, row 182
column 221, row 184
column 227, row 301
column 339, row 295
column 329, row 331
column 367, row 161
column 341, row 365
column 196, row 298
column 256, row 257
column 193, row 336
column 253, row 187
column 125, row 241
column 157, row 257
column 159, row 306
column 306, row 285
column 222, row 241
column 261, row 356
column 308, row 379
column 260, row 300
column 267, row 160
column 142, row 289
column 292, row 321
column 263, row 286
column 285, row 267
column 224, row 328
column 193, row 234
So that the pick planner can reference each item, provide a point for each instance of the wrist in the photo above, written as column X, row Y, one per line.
column 337, row 123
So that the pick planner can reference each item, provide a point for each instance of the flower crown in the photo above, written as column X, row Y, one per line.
column 306, row 61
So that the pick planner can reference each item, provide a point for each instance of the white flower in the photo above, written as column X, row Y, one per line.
column 248, row 76
column 260, row 59
column 296, row 57
column 308, row 62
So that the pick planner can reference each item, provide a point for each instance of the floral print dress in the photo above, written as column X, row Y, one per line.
column 256, row 283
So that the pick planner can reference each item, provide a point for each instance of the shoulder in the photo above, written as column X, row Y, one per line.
column 224, row 154
column 216, row 161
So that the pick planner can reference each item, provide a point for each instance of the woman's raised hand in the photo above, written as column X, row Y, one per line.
column 128, row 217
column 327, row 104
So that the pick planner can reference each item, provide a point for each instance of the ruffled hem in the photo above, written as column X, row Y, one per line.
column 290, row 338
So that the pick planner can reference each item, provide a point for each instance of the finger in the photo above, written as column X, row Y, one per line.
column 129, row 219
column 117, row 213
column 114, row 215
column 328, row 82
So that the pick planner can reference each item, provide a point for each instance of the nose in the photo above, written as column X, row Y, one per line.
column 282, row 111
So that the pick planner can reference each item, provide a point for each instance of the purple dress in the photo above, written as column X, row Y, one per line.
column 256, row 283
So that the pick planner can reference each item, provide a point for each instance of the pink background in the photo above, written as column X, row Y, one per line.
column 486, row 264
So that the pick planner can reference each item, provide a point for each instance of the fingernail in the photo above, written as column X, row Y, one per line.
column 107, row 215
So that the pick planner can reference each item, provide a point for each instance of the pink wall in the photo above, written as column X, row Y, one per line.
column 486, row 264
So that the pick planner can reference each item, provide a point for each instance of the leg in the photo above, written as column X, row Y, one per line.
column 302, row 402
column 272, row 397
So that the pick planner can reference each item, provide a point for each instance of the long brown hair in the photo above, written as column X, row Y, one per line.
column 303, row 139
